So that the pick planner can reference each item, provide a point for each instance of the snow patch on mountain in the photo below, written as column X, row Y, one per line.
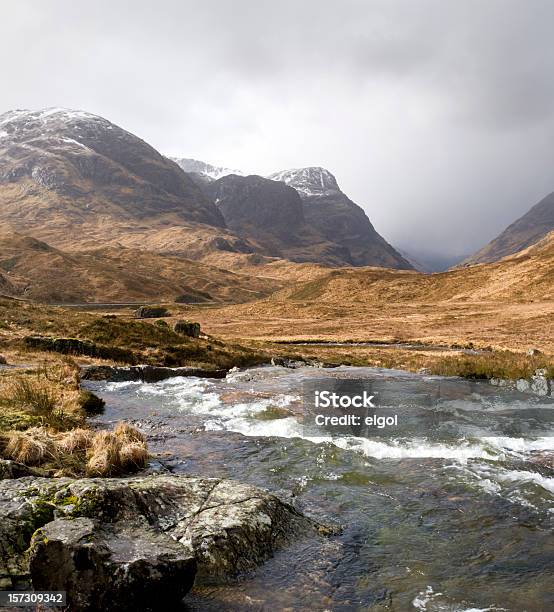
column 204, row 169
column 311, row 181
column 18, row 118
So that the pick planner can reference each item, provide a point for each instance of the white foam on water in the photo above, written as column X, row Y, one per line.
column 427, row 598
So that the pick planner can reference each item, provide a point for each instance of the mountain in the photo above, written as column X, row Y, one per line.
column 271, row 214
column 331, row 212
column 32, row 269
column 203, row 170
column 527, row 230
column 72, row 168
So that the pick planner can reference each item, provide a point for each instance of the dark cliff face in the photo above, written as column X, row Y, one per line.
column 272, row 214
column 259, row 203
column 102, row 168
column 526, row 231
column 333, row 214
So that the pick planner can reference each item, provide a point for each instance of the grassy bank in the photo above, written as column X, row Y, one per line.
column 43, row 425
column 110, row 338
column 485, row 365
column 43, row 410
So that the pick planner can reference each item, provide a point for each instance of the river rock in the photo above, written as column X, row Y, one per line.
column 107, row 568
column 523, row 385
column 540, row 384
column 229, row 528
column 145, row 373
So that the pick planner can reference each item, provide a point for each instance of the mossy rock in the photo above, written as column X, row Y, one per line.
column 151, row 312
column 76, row 346
column 91, row 403
column 187, row 328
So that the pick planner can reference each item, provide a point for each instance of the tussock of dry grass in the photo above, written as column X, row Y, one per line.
column 111, row 453
column 32, row 447
column 79, row 451
column 51, row 409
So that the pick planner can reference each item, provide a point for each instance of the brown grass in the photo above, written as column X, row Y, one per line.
column 507, row 305
column 50, row 395
column 80, row 451
column 112, row 453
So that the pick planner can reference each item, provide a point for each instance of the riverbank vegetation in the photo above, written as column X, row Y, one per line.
column 43, row 425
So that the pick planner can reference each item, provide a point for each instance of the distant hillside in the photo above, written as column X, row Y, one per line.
column 527, row 230
column 32, row 269
column 505, row 304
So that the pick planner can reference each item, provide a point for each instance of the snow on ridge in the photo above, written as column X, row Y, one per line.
column 45, row 115
column 309, row 181
column 203, row 168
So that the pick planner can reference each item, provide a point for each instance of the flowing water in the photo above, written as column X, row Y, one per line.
column 430, row 522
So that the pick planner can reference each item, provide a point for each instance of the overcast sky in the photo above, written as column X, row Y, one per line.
column 437, row 117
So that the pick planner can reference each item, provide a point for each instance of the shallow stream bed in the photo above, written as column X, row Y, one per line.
column 430, row 522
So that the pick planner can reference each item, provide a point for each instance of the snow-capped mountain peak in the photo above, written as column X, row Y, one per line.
column 311, row 181
column 203, row 168
column 22, row 119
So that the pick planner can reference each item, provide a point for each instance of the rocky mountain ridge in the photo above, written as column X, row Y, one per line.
column 522, row 233
column 328, row 210
column 80, row 165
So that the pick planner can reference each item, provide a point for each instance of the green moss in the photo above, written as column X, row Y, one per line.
column 273, row 412
column 17, row 420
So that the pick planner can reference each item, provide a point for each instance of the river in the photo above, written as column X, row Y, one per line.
column 430, row 522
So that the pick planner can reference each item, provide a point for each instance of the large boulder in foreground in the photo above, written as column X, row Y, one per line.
column 99, row 538
column 103, row 568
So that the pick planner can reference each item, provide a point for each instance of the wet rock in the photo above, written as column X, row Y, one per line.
column 544, row 461
column 105, row 567
column 284, row 362
column 151, row 312
column 229, row 528
column 502, row 382
column 540, row 384
column 145, row 373
column 523, row 385
column 187, row 328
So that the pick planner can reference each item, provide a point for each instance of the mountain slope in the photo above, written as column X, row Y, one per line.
column 271, row 214
column 527, row 230
column 33, row 269
column 73, row 168
column 331, row 212
column 506, row 304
